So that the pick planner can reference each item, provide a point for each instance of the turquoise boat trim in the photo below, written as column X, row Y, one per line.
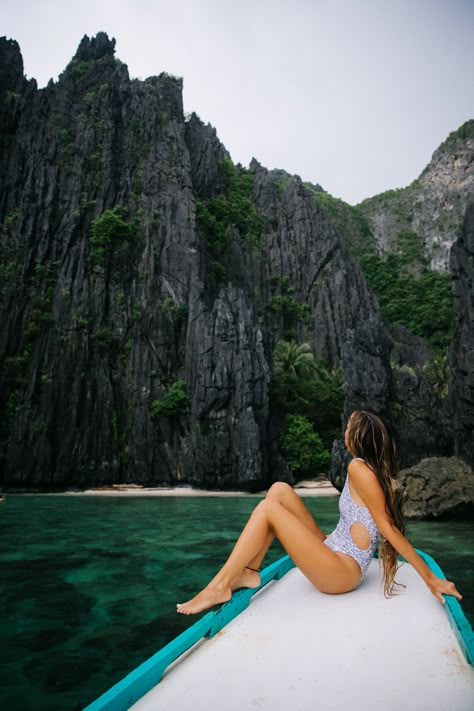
column 136, row 684
column 457, row 619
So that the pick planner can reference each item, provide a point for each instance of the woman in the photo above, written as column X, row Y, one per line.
column 369, row 506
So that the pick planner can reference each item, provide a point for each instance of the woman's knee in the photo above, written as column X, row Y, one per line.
column 265, row 506
column 268, row 509
column 278, row 491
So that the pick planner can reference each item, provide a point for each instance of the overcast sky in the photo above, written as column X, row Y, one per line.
column 352, row 94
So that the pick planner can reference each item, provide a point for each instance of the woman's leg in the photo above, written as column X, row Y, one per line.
column 287, row 497
column 330, row 572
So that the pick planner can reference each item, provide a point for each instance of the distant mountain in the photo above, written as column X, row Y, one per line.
column 431, row 210
column 426, row 215
column 403, row 238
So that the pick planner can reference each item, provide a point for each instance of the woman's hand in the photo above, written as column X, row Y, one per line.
column 440, row 587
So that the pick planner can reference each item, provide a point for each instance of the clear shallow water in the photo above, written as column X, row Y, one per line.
column 89, row 584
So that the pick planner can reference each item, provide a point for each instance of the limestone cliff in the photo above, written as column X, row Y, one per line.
column 432, row 208
column 462, row 348
column 137, row 338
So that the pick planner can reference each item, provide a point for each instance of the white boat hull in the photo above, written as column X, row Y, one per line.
column 297, row 649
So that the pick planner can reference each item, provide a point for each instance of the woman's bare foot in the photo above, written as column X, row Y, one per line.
column 207, row 598
column 213, row 595
column 247, row 579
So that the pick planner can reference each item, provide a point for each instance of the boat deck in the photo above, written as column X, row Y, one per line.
column 296, row 648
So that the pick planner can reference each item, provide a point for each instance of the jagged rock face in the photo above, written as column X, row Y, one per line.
column 330, row 283
column 385, row 372
column 339, row 462
column 91, row 340
column 11, row 66
column 90, row 343
column 97, row 325
column 420, row 414
column 88, row 332
column 437, row 487
column 95, row 47
column 12, row 84
column 205, row 150
column 431, row 208
column 462, row 348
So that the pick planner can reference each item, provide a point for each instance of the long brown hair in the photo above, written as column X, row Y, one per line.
column 369, row 438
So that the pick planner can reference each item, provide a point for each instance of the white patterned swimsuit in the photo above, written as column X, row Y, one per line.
column 341, row 540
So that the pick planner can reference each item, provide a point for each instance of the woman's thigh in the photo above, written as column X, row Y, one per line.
column 330, row 572
column 285, row 495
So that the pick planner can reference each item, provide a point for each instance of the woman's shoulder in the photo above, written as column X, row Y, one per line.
column 357, row 463
column 358, row 468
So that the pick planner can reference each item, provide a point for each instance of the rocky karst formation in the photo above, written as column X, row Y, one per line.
column 438, row 486
column 461, row 395
column 114, row 298
column 432, row 208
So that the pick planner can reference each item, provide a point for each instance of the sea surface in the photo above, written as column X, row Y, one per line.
column 88, row 584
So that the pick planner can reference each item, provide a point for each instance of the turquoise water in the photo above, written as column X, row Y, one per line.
column 89, row 584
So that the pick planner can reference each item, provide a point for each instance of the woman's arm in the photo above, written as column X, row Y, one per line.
column 365, row 483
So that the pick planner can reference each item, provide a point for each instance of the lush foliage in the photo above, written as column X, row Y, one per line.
column 463, row 132
column 305, row 387
column 175, row 402
column 437, row 372
column 233, row 210
column 286, row 310
column 178, row 312
column 351, row 223
column 105, row 339
column 373, row 203
column 293, row 361
column 422, row 302
column 109, row 231
column 302, row 447
column 289, row 312
column 11, row 254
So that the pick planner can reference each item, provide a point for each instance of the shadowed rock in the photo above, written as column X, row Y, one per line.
column 438, row 487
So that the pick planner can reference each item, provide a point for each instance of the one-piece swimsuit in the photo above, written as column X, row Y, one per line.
column 341, row 540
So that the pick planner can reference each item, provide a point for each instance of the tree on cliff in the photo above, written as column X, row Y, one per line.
column 310, row 396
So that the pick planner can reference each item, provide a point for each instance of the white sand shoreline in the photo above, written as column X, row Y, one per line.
column 304, row 488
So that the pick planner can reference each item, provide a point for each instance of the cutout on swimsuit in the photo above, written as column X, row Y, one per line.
column 360, row 535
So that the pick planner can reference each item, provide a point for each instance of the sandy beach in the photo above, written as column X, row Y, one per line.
column 319, row 487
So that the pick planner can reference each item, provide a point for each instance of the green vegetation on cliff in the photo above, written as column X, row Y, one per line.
column 175, row 402
column 409, row 293
column 287, row 313
column 415, row 228
column 309, row 394
column 438, row 373
column 303, row 448
column 350, row 222
column 422, row 302
column 109, row 231
column 217, row 217
column 463, row 133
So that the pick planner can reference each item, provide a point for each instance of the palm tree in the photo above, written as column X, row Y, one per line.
column 293, row 360
column 306, row 387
